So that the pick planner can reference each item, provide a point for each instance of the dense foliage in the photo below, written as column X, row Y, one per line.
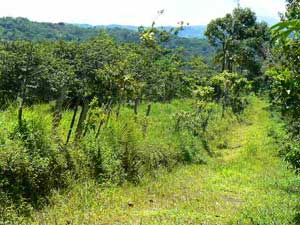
column 240, row 42
column 283, row 73
column 23, row 29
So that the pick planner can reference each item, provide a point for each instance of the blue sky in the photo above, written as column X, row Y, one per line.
column 133, row 12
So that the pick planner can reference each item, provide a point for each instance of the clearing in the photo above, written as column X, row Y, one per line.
column 247, row 183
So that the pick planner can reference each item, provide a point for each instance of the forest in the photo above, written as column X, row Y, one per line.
column 14, row 29
column 120, row 127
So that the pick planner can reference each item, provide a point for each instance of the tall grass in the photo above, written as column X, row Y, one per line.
column 33, row 163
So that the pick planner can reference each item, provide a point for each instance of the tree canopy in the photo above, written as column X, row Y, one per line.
column 240, row 42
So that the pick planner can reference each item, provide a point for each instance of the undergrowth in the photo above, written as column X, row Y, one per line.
column 246, row 182
column 34, row 163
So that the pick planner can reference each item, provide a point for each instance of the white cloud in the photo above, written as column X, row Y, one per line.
column 134, row 12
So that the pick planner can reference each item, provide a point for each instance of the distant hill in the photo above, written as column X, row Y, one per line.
column 187, row 32
column 24, row 29
column 269, row 20
column 193, row 32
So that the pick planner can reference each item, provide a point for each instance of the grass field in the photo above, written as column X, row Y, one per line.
column 247, row 183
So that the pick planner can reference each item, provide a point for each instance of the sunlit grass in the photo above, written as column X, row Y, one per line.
column 247, row 184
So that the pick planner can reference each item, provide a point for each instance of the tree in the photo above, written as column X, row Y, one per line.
column 58, row 59
column 8, row 82
column 230, row 90
column 22, row 65
column 91, row 57
column 196, row 74
column 292, row 10
column 240, row 42
column 284, row 78
column 285, row 69
column 153, row 40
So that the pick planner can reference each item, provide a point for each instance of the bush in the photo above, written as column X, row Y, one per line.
column 128, row 148
column 30, row 166
column 196, row 123
column 292, row 149
column 124, row 152
column 115, row 154
column 10, row 213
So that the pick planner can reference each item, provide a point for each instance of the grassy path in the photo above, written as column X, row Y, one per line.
column 246, row 184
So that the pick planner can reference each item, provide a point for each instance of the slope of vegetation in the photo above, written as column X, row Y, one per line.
column 95, row 121
column 196, row 32
column 86, row 126
column 127, row 149
column 247, row 183
column 23, row 29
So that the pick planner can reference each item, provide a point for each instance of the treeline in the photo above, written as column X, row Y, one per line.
column 99, row 68
column 115, row 74
column 14, row 29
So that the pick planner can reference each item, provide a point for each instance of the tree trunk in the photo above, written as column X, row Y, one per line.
column 82, row 118
column 230, row 67
column 21, row 104
column 108, row 116
column 148, row 110
column 103, row 121
column 118, row 110
column 145, row 125
column 136, row 105
column 99, row 128
column 206, row 147
column 224, row 58
column 57, row 115
column 20, row 113
column 73, row 121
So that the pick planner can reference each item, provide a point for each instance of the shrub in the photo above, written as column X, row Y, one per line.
column 30, row 166
column 292, row 149
column 196, row 123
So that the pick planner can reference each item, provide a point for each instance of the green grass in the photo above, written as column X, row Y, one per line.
column 246, row 184
column 34, row 161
